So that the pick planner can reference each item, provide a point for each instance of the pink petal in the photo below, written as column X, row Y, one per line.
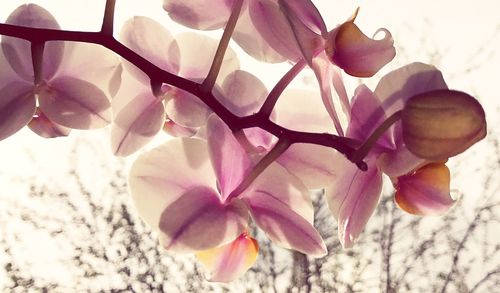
column 250, row 40
column 314, row 165
column 199, row 220
column 242, row 93
column 152, row 41
column 186, row 109
column 159, row 177
column 75, row 103
column 195, row 63
column 306, row 13
column 46, row 128
column 175, row 130
column 324, row 74
column 353, row 197
column 302, row 110
column 366, row 115
column 259, row 137
column 358, row 54
column 17, row 106
column 229, row 159
column 79, row 62
column 425, row 192
column 396, row 87
column 136, row 124
column 399, row 161
column 18, row 52
column 199, row 14
column 307, row 26
column 284, row 226
column 228, row 262
column 273, row 26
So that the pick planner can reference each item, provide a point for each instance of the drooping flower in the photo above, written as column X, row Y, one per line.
column 183, row 190
column 422, row 184
column 57, row 90
column 139, row 114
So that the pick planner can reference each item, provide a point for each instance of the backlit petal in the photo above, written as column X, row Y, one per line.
column 75, row 103
column 230, row 261
column 199, row 14
column 17, row 106
column 358, row 54
column 274, row 28
column 425, row 192
column 442, row 123
column 186, row 109
column 136, row 124
column 229, row 159
column 46, row 128
column 242, row 93
column 18, row 52
column 152, row 41
column 199, row 220
column 353, row 197
column 160, row 176
column 175, row 130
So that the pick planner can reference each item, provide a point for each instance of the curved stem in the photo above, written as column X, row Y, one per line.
column 108, row 18
column 209, row 81
column 280, row 147
column 344, row 145
column 278, row 89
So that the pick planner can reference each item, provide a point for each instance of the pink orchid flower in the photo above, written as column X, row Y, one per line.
column 56, row 91
column 422, row 186
column 139, row 114
column 184, row 191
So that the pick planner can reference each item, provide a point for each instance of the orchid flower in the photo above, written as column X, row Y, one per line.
column 141, row 106
column 185, row 188
column 53, row 87
column 422, row 185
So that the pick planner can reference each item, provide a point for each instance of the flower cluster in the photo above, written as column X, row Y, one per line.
column 239, row 155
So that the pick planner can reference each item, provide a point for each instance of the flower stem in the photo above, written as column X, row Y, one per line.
column 108, row 18
column 37, row 49
column 278, row 89
column 363, row 150
column 279, row 148
column 209, row 81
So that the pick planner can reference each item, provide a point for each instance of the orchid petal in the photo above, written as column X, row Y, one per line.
column 323, row 71
column 442, row 123
column 195, row 63
column 425, row 192
column 186, row 109
column 175, row 130
column 251, row 41
column 353, row 197
column 315, row 165
column 259, row 137
column 229, row 159
column 199, row 220
column 228, row 262
column 75, row 103
column 284, row 226
column 160, row 176
column 242, row 93
column 46, row 128
column 366, row 115
column 18, row 52
column 307, row 26
column 79, row 62
column 136, row 124
column 17, row 106
column 278, row 184
column 152, row 41
column 395, row 88
column 358, row 54
column 274, row 28
column 399, row 161
column 302, row 110
column 199, row 14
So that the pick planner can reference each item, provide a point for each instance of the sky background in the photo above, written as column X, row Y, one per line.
column 460, row 37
